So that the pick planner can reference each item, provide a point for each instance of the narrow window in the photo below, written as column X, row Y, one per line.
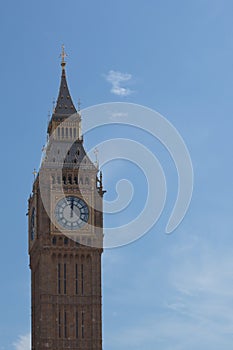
column 76, row 278
column 59, row 278
column 53, row 179
column 67, row 133
column 76, row 180
column 66, row 240
column 70, row 179
column 64, row 180
column 65, row 324
column 59, row 324
column 62, row 132
column 58, row 133
column 82, row 278
column 64, row 278
column 70, row 132
column 82, row 324
column 76, row 325
column 58, row 180
column 54, row 241
column 86, row 181
column 75, row 133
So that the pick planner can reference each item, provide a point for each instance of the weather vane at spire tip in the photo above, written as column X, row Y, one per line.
column 63, row 55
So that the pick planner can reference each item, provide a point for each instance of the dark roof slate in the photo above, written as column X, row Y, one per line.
column 65, row 106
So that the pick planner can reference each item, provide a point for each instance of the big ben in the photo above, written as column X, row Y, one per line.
column 65, row 236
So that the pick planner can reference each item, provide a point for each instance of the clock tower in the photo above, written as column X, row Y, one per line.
column 65, row 237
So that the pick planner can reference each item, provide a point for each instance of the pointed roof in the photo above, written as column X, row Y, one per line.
column 64, row 106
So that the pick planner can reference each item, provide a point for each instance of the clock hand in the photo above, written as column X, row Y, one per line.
column 77, row 211
column 72, row 207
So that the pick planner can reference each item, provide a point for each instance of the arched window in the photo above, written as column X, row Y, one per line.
column 82, row 325
column 67, row 133
column 81, row 180
column 70, row 179
column 82, row 279
column 64, row 180
column 54, row 240
column 76, row 325
column 59, row 324
column 76, row 278
column 65, row 324
column 70, row 132
column 53, row 179
column 66, row 240
column 62, row 133
column 74, row 133
column 76, row 180
column 59, row 278
column 86, row 181
column 64, row 275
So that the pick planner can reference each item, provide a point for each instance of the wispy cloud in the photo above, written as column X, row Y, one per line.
column 117, row 79
column 23, row 342
column 188, row 305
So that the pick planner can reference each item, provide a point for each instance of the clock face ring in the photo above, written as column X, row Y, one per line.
column 71, row 213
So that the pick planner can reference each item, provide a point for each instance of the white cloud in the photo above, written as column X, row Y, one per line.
column 23, row 342
column 186, row 304
column 116, row 79
column 117, row 116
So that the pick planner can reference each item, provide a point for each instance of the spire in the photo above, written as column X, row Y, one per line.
column 64, row 106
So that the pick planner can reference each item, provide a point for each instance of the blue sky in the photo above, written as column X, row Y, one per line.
column 166, row 292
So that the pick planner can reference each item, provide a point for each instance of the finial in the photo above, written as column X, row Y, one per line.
column 96, row 152
column 101, row 182
column 34, row 173
column 79, row 105
column 63, row 55
column 54, row 102
column 49, row 116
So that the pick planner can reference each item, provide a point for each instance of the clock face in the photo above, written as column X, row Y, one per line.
column 71, row 213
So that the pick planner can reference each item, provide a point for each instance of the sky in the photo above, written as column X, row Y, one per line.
column 176, row 57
